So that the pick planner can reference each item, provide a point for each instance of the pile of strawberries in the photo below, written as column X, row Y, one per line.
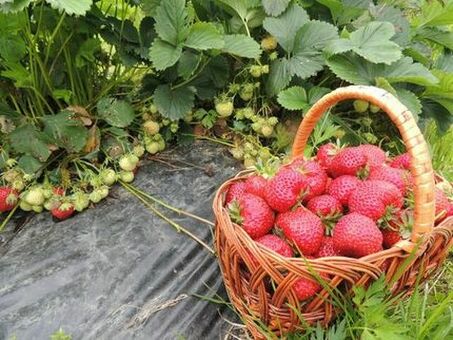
column 351, row 201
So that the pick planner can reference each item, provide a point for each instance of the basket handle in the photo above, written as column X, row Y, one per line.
column 421, row 167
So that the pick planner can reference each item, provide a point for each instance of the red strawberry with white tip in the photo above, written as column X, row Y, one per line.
column 235, row 191
column 305, row 230
column 283, row 190
column 348, row 161
column 275, row 243
column 342, row 187
column 8, row 198
column 356, row 235
column 63, row 211
column 326, row 153
column 256, row 185
column 399, row 177
column 327, row 249
column 325, row 205
column 402, row 161
column 253, row 214
column 375, row 156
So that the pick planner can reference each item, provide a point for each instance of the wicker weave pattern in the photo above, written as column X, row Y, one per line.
column 248, row 268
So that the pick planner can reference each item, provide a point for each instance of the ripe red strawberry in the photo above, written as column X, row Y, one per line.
column 342, row 187
column 356, row 235
column 372, row 199
column 316, row 179
column 327, row 249
column 442, row 205
column 325, row 205
column 399, row 177
column 253, row 214
column 63, row 211
column 390, row 238
column 305, row 288
column 8, row 198
column 256, row 185
column 348, row 161
column 375, row 155
column 305, row 230
column 284, row 189
column 402, row 161
column 450, row 210
column 236, row 190
column 275, row 243
column 326, row 153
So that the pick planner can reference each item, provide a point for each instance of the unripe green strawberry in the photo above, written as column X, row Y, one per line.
column 10, row 162
column 127, row 176
column 257, row 126
column 152, row 147
column 151, row 127
column 237, row 153
column 272, row 121
column 264, row 154
column 161, row 144
column 11, row 175
column 265, row 69
column 174, row 127
column 246, row 95
column 80, row 200
column 18, row 184
column 34, row 196
column 37, row 208
column 234, row 88
column 249, row 161
column 374, row 108
column 153, row 108
column 255, row 71
column 267, row 130
column 224, row 108
column 269, row 43
column 146, row 116
column 360, row 105
column 273, row 56
column 138, row 150
column 95, row 196
column 104, row 191
column 25, row 206
column 248, row 112
column 108, row 176
column 49, row 204
column 128, row 162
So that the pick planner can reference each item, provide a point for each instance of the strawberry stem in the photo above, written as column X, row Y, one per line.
column 6, row 220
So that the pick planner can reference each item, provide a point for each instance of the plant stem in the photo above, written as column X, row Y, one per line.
column 175, row 225
column 166, row 205
column 6, row 220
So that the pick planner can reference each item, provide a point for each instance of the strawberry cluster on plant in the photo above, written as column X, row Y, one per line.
column 346, row 201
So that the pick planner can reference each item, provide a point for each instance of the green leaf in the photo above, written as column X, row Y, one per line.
column 434, row 13
column 12, row 48
column 27, row 139
column 357, row 70
column 66, row 131
column 85, row 54
column 394, row 15
column 442, row 92
column 14, row 6
column 410, row 100
column 306, row 65
column 275, row 7
column 63, row 94
column 241, row 46
column 372, row 42
column 18, row 73
column 29, row 164
column 173, row 103
column 188, row 63
column 241, row 7
column 149, row 7
column 116, row 112
column 443, row 117
column 163, row 55
column 171, row 21
column 213, row 77
column 279, row 76
column 445, row 63
column 293, row 98
column 204, row 36
column 77, row 7
column 285, row 27
column 435, row 35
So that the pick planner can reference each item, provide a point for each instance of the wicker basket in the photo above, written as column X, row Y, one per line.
column 247, row 280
